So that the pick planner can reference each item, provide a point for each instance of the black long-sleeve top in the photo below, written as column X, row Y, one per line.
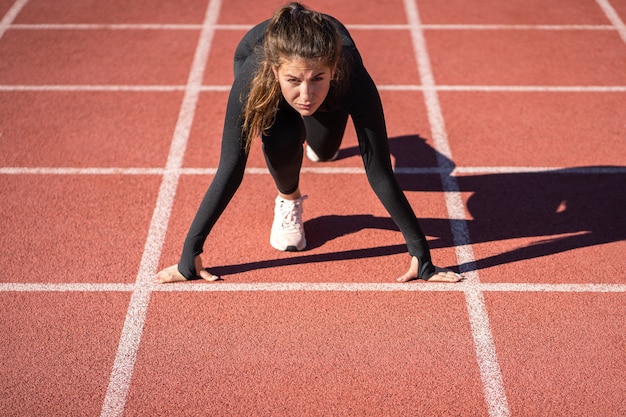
column 359, row 98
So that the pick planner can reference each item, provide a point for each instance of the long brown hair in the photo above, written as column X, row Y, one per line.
column 293, row 32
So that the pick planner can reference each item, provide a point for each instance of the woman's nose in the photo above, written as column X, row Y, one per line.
column 305, row 90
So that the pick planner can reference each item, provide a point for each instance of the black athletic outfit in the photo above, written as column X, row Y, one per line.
column 283, row 148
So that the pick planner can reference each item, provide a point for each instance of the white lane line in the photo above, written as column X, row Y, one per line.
column 244, row 27
column 382, row 87
column 94, row 88
column 533, row 88
column 518, row 27
column 571, row 288
column 490, row 372
column 65, row 287
column 592, row 170
column 613, row 17
column 389, row 287
column 106, row 26
column 224, row 286
column 10, row 16
column 491, row 375
column 485, row 27
column 79, row 171
column 121, row 374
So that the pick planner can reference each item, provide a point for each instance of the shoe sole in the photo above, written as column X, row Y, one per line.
column 290, row 248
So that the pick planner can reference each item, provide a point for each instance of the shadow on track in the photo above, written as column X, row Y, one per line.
column 587, row 207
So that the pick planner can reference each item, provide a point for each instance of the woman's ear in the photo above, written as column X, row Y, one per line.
column 275, row 70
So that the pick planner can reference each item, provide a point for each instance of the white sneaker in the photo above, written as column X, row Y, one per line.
column 287, row 229
column 310, row 153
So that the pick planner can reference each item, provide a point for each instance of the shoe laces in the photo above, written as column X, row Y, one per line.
column 291, row 214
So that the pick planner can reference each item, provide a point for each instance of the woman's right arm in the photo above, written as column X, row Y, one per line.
column 227, row 180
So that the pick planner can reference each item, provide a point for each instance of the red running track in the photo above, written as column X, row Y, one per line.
column 506, row 124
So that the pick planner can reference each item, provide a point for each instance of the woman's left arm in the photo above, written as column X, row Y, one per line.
column 369, row 122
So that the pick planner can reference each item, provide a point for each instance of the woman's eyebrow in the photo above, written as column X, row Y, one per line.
column 315, row 75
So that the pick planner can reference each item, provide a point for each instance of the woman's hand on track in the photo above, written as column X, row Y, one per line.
column 441, row 274
column 171, row 274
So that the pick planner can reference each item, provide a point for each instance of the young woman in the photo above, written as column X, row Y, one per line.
column 298, row 76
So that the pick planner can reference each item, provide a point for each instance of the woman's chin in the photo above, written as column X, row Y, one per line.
column 305, row 110
column 304, row 113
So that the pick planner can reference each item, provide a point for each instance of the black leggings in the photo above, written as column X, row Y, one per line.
column 282, row 145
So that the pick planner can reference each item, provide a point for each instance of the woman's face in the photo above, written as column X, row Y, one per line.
column 304, row 84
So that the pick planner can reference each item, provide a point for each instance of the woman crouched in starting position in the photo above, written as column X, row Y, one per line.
column 299, row 76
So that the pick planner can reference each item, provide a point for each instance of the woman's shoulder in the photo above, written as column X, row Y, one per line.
column 257, row 32
column 344, row 33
